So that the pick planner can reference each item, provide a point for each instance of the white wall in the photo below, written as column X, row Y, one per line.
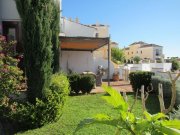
column 73, row 29
column 8, row 10
column 163, row 67
column 104, row 63
column 77, row 61
column 80, row 61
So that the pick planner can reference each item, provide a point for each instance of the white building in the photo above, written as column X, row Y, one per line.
column 79, row 57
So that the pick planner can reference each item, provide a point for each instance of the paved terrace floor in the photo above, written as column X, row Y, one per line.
column 121, row 86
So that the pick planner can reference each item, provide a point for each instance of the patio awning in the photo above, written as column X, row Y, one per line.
column 82, row 43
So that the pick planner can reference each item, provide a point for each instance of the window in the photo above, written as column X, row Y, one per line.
column 97, row 34
column 137, row 51
column 141, row 52
column 157, row 52
column 128, row 53
column 132, row 52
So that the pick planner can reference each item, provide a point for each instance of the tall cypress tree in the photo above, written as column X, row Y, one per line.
column 55, row 26
column 36, row 18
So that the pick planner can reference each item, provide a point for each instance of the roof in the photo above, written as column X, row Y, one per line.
column 114, row 43
column 150, row 45
column 89, row 26
column 82, row 43
column 127, row 48
column 140, row 42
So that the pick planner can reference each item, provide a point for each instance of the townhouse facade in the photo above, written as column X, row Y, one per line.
column 144, row 51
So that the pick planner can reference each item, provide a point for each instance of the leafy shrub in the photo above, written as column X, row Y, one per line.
column 46, row 110
column 87, row 83
column 139, row 78
column 29, row 116
column 166, row 84
column 137, row 59
column 60, row 84
column 11, row 77
column 74, row 82
column 178, row 93
column 7, row 48
column 117, row 55
column 175, row 65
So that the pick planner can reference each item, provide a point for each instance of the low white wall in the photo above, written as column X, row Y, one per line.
column 163, row 67
column 80, row 61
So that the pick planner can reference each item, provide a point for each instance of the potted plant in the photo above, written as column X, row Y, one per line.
column 116, row 76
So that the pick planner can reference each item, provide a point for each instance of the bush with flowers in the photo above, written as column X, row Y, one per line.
column 11, row 77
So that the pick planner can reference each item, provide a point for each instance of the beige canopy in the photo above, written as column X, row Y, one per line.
column 82, row 43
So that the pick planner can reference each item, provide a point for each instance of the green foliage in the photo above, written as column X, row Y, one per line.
column 83, row 83
column 175, row 65
column 59, row 83
column 139, row 78
column 37, row 24
column 166, row 84
column 151, row 124
column 29, row 116
column 74, row 80
column 137, row 59
column 117, row 55
column 46, row 110
column 7, row 48
column 86, row 83
column 177, row 92
column 55, row 37
column 10, row 75
column 175, row 114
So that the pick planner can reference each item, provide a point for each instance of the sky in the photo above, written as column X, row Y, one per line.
column 151, row 21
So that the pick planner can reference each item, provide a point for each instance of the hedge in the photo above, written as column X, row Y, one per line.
column 74, row 80
column 166, row 84
column 83, row 83
column 139, row 78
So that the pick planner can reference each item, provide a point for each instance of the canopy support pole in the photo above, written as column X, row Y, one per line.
column 109, row 56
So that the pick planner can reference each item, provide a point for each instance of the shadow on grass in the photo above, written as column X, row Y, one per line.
column 152, row 104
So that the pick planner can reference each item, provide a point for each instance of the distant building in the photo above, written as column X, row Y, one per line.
column 144, row 51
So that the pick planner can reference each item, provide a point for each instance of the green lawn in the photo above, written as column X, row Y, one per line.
column 80, row 107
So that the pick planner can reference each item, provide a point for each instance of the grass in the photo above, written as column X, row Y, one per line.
column 78, row 108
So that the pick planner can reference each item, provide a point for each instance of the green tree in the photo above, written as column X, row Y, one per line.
column 55, row 36
column 137, row 59
column 117, row 55
column 175, row 65
column 37, row 23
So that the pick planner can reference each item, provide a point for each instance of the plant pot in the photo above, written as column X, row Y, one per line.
column 116, row 77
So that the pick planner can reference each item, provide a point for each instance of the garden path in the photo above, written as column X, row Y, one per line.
column 121, row 86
